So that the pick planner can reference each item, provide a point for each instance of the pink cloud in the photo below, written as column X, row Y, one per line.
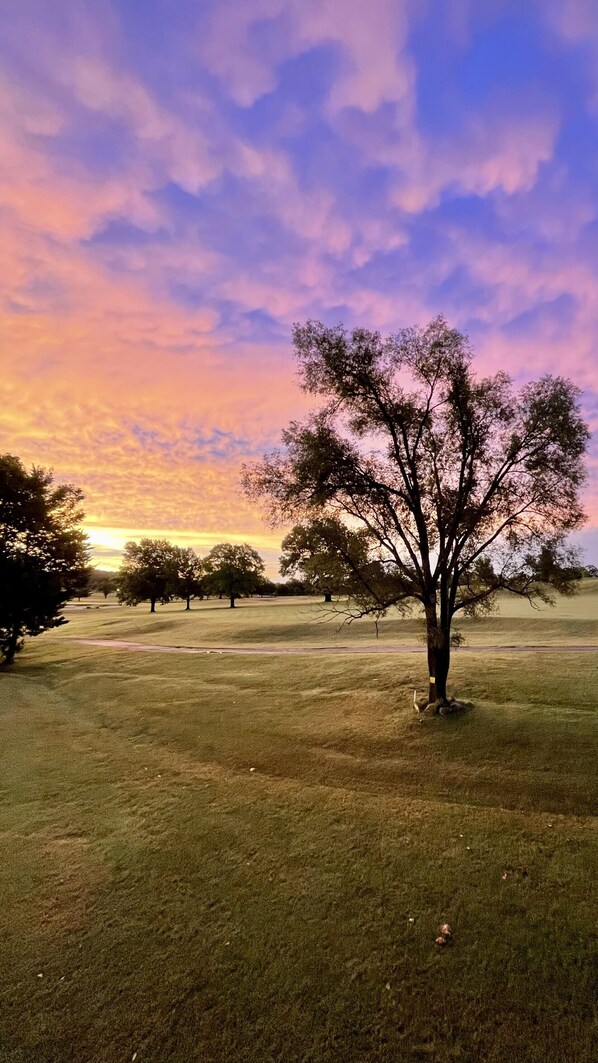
column 374, row 68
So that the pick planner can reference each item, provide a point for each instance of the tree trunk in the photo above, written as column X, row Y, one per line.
column 439, row 655
column 152, row 605
column 188, row 606
column 12, row 645
column 443, row 660
column 327, row 596
column 232, row 601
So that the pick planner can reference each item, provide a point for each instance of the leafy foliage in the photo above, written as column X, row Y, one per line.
column 189, row 574
column 462, row 486
column 325, row 552
column 102, row 581
column 233, row 570
column 148, row 572
column 43, row 552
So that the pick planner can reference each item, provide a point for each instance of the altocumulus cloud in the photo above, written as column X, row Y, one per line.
column 177, row 189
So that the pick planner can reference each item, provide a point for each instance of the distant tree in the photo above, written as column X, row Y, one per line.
column 43, row 552
column 81, row 587
column 147, row 573
column 233, row 570
column 463, row 486
column 102, row 582
column 266, row 588
column 312, row 550
column 189, row 578
column 292, row 587
column 107, row 585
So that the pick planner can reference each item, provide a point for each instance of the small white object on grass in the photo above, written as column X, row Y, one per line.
column 411, row 919
column 252, row 769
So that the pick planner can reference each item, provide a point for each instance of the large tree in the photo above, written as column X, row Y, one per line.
column 233, row 570
column 312, row 550
column 43, row 552
column 147, row 573
column 465, row 486
column 189, row 581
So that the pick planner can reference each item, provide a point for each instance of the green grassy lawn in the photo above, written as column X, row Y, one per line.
column 248, row 858
column 276, row 622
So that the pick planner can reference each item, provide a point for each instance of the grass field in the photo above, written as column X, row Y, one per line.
column 248, row 858
column 276, row 622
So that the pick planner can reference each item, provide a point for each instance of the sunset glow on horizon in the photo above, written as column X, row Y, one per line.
column 180, row 182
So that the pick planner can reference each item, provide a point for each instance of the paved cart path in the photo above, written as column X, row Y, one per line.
column 119, row 644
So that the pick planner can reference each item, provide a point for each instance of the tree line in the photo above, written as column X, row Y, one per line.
column 414, row 480
column 45, row 561
column 155, row 570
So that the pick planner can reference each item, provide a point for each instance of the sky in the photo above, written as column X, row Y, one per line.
column 181, row 180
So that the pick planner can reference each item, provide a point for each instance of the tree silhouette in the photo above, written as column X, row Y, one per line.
column 189, row 579
column 233, row 570
column 147, row 573
column 464, row 486
column 313, row 550
column 43, row 552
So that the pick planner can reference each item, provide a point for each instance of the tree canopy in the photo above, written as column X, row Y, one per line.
column 148, row 572
column 463, row 485
column 233, row 570
column 312, row 549
column 189, row 574
column 43, row 551
column 102, row 581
